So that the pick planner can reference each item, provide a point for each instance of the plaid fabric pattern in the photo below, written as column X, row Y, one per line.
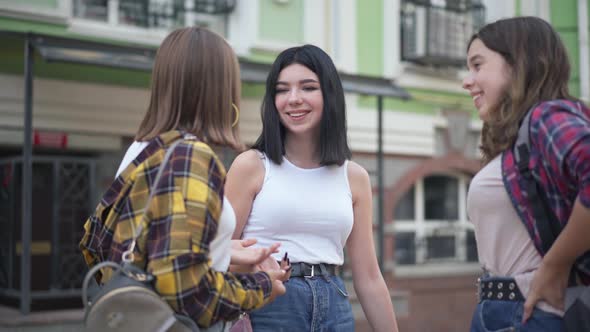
column 180, row 223
column 560, row 163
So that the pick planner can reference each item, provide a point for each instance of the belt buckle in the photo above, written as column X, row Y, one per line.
column 312, row 272
column 478, row 292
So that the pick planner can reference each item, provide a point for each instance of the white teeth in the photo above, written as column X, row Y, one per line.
column 476, row 96
column 297, row 114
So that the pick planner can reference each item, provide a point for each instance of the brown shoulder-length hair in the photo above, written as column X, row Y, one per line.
column 540, row 72
column 195, row 80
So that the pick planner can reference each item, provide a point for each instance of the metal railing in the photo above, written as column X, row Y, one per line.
column 436, row 32
column 165, row 14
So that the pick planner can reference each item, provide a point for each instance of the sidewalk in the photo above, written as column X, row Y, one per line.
column 48, row 321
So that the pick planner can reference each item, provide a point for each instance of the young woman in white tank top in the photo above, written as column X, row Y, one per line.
column 297, row 187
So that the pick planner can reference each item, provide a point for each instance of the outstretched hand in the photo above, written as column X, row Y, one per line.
column 549, row 284
column 242, row 252
column 244, row 258
column 270, row 264
column 278, row 288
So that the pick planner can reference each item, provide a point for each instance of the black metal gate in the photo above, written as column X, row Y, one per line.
column 62, row 198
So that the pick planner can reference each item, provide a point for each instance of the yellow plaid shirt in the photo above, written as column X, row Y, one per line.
column 181, row 223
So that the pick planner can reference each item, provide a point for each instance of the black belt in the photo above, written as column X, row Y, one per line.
column 311, row 270
column 498, row 288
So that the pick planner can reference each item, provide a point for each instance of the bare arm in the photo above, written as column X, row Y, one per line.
column 571, row 243
column 243, row 182
column 368, row 281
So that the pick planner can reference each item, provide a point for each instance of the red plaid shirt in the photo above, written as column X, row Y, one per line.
column 560, row 163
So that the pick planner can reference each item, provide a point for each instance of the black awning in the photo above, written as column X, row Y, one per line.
column 136, row 57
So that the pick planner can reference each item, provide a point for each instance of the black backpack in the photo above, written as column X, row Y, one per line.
column 577, row 302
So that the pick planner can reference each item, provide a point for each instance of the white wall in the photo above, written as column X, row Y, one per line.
column 403, row 132
column 497, row 9
column 96, row 114
column 90, row 110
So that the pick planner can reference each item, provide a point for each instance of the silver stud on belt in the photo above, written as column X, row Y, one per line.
column 312, row 272
column 499, row 290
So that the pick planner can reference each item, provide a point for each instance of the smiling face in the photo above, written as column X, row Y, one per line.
column 488, row 79
column 298, row 99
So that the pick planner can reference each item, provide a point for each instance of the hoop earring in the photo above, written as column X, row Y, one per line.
column 235, row 108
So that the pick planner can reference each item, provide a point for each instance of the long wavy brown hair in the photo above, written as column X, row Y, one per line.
column 195, row 80
column 540, row 72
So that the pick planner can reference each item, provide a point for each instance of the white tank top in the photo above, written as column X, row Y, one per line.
column 220, row 247
column 309, row 211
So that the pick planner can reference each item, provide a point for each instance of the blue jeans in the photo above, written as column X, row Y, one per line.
column 316, row 304
column 504, row 316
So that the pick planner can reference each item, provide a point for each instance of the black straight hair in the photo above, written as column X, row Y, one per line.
column 333, row 145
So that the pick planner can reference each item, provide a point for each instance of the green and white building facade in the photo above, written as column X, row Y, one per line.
column 85, row 117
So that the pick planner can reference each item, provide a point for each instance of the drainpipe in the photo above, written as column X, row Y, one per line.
column 26, row 181
column 584, row 51
column 380, row 182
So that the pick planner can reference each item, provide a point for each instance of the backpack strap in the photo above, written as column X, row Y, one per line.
column 545, row 220
column 128, row 256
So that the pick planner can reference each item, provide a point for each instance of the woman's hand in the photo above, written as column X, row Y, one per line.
column 270, row 264
column 278, row 273
column 278, row 289
column 242, row 252
column 551, row 278
column 549, row 284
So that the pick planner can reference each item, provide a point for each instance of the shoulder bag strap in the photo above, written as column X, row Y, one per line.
column 127, row 256
column 545, row 220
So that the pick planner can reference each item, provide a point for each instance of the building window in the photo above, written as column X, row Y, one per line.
column 95, row 10
column 156, row 15
column 441, row 198
column 405, row 248
column 435, row 32
column 431, row 223
column 406, row 207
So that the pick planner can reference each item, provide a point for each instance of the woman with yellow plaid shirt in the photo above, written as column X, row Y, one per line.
column 195, row 97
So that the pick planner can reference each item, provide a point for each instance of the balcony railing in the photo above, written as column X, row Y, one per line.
column 165, row 14
column 436, row 32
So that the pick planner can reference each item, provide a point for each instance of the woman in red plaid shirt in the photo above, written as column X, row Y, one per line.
column 516, row 65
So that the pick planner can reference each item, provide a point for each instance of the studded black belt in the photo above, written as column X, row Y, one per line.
column 311, row 270
column 498, row 288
